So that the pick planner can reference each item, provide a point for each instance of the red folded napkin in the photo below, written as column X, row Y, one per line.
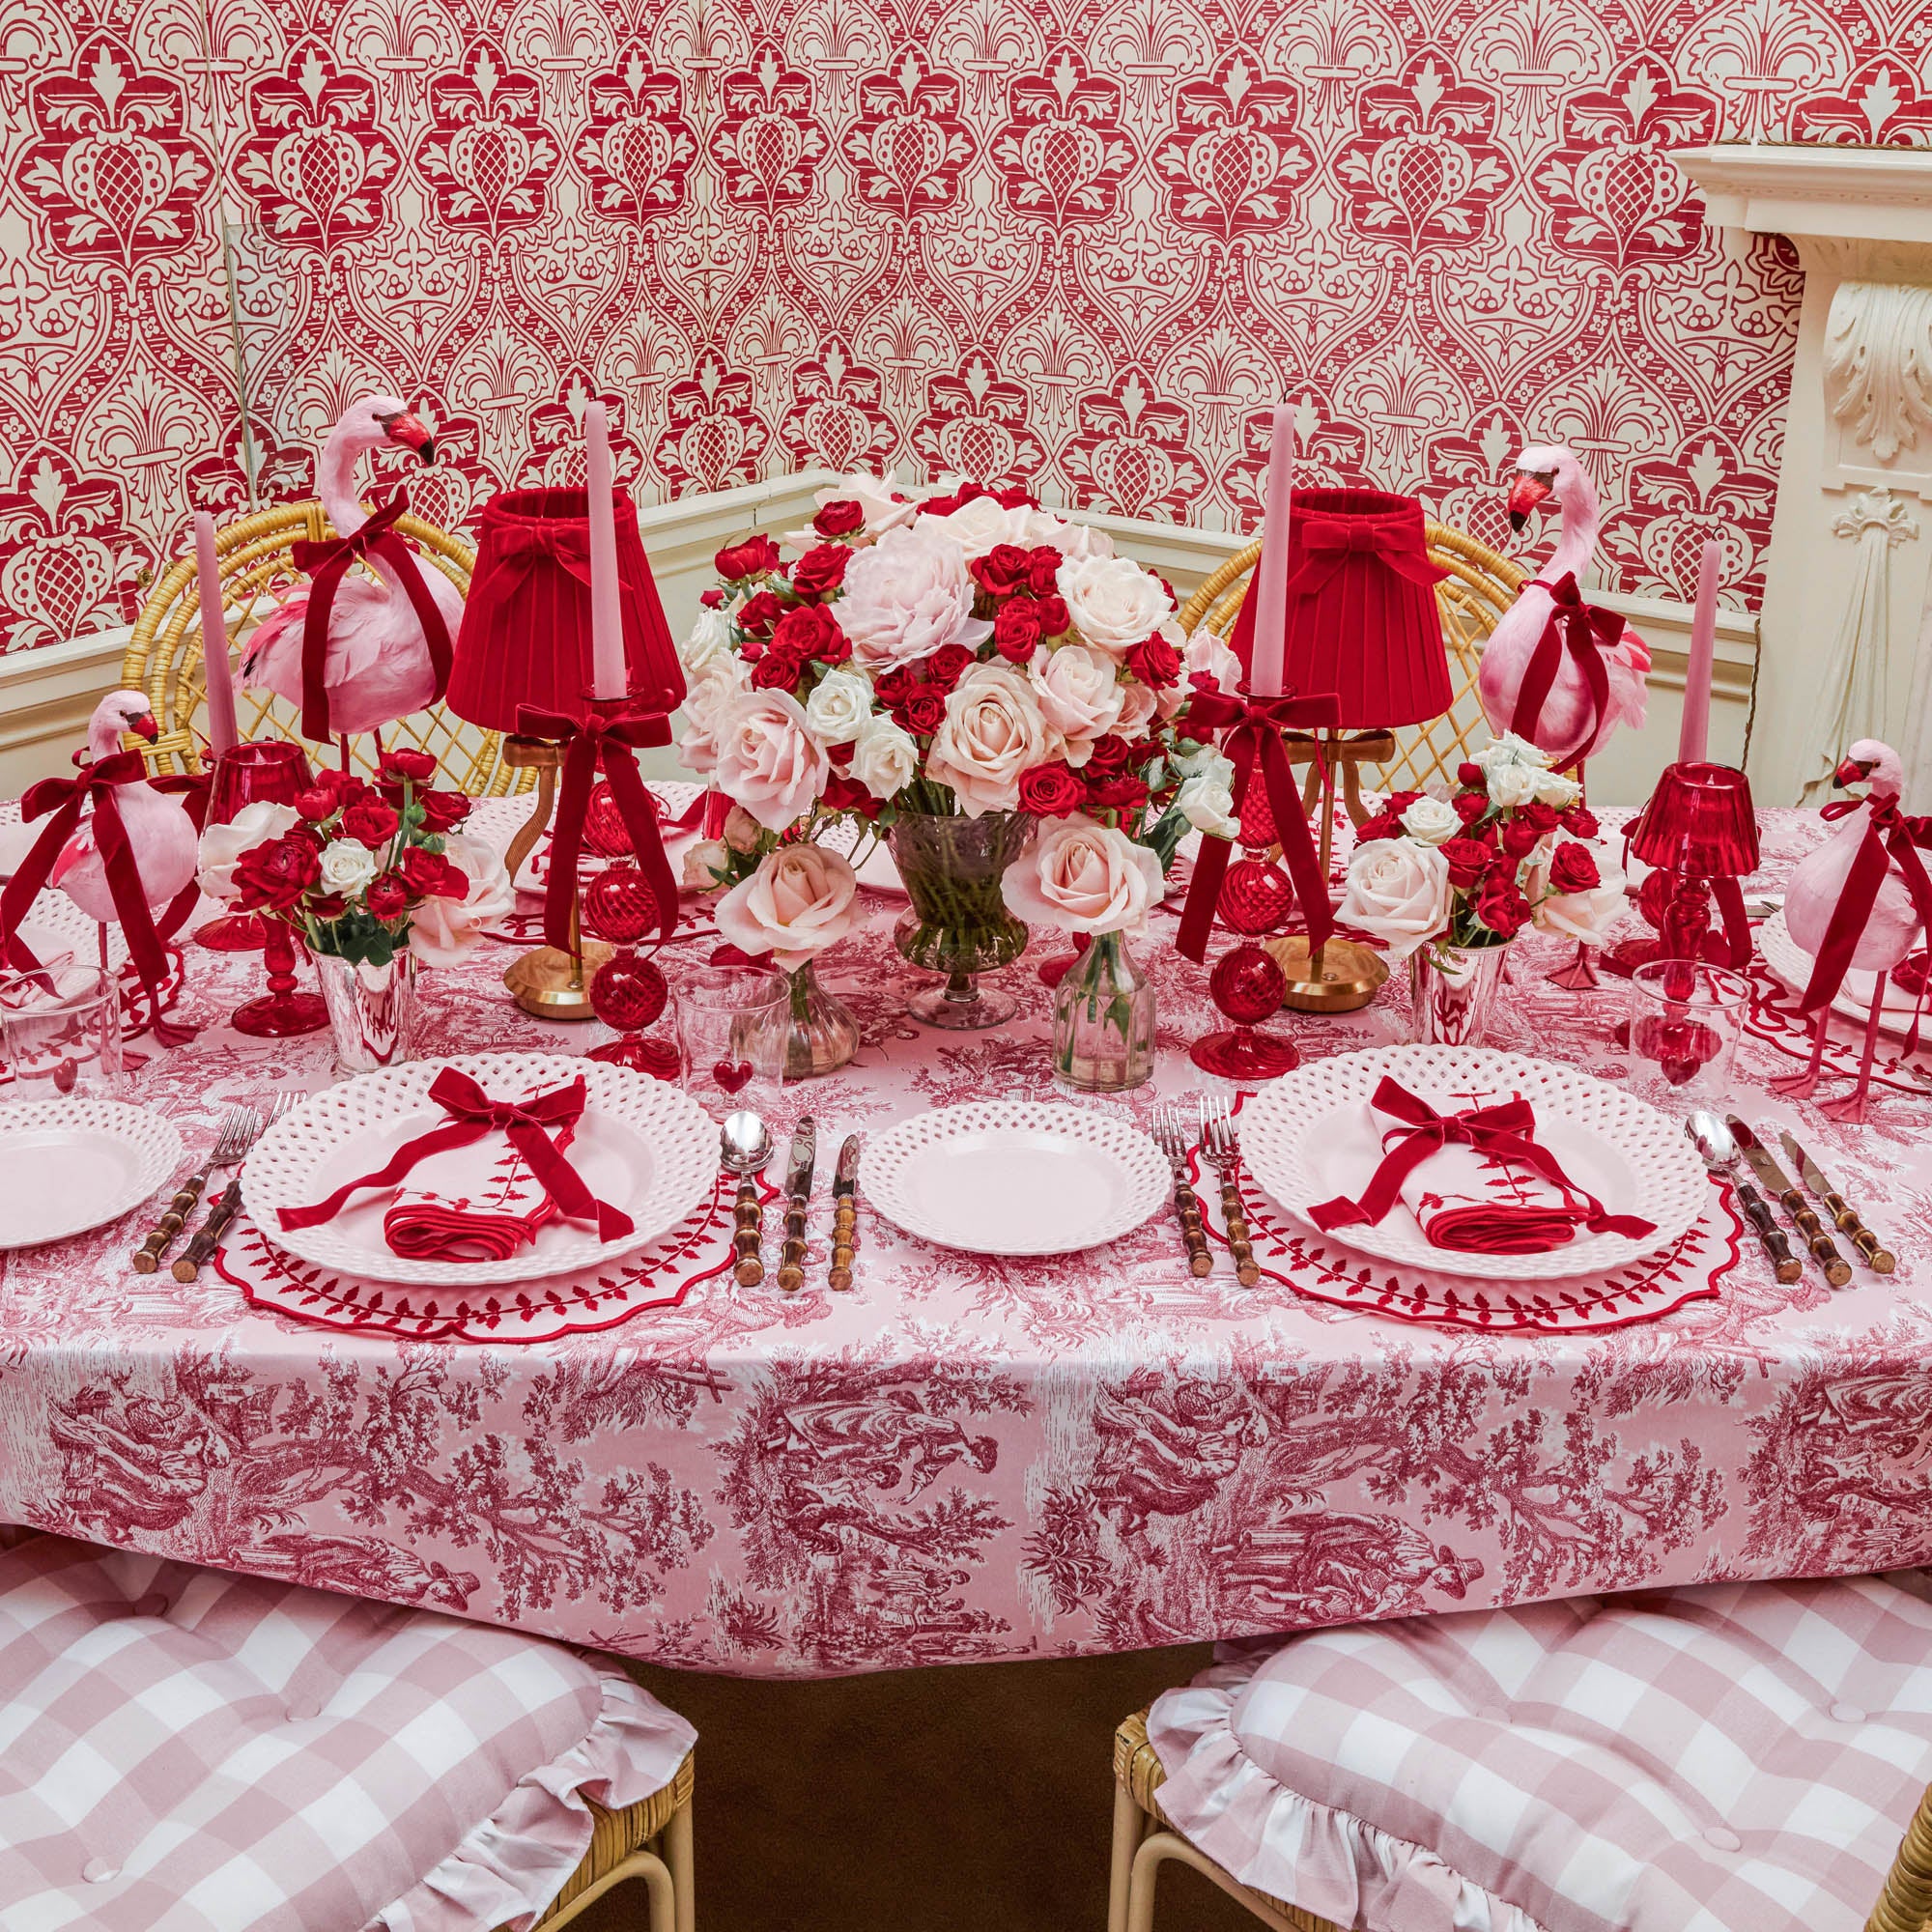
column 489, row 1225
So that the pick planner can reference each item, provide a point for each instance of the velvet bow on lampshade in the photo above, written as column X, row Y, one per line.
column 1699, row 823
column 525, row 635
column 1362, row 617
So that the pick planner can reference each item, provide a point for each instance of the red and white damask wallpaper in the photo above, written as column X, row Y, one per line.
column 1079, row 243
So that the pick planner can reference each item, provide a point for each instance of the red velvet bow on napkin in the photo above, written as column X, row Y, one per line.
column 1888, row 841
column 1254, row 726
column 67, row 799
column 328, row 563
column 608, row 737
column 1587, row 631
column 1327, row 542
column 473, row 1114
column 1504, row 1132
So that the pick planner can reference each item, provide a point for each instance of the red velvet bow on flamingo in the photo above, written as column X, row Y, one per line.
column 609, row 735
column 1587, row 631
column 1327, row 542
column 527, row 1126
column 327, row 564
column 1254, row 726
column 67, row 799
column 1888, row 839
column 1504, row 1132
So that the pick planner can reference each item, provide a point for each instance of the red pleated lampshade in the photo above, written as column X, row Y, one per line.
column 526, row 634
column 1699, row 823
column 1362, row 617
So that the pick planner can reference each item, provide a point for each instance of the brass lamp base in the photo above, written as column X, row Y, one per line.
column 1351, row 975
column 553, row 986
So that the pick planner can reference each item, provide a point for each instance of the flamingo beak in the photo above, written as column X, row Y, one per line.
column 1528, row 490
column 1854, row 771
column 144, row 726
column 412, row 432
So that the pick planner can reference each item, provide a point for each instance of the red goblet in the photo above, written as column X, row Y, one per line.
column 281, row 1012
column 272, row 772
column 1247, row 985
column 628, row 993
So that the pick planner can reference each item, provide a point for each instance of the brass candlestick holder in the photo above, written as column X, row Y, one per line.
column 548, row 983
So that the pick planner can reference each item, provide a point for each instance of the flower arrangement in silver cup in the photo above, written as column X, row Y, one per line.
column 1508, row 848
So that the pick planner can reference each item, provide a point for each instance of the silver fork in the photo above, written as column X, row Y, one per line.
column 1170, row 1137
column 239, row 1128
column 208, row 1236
column 1217, row 1133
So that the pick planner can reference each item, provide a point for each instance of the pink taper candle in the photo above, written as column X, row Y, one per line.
column 609, row 676
column 1270, row 584
column 1693, row 734
column 223, row 732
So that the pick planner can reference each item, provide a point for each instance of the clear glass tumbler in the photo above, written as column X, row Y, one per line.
column 732, row 1024
column 60, row 1033
column 1686, row 1020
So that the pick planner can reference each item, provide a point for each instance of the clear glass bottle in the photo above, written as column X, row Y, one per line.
column 824, row 1033
column 1103, row 1021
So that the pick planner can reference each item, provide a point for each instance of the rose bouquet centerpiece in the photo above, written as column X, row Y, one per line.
column 374, row 880
column 947, row 673
column 1448, row 883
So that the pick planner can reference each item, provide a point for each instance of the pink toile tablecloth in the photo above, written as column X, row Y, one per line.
column 967, row 1458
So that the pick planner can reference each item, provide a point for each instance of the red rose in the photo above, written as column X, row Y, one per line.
column 317, row 803
column 1119, row 793
column 1044, row 570
column 712, row 598
column 839, row 518
column 820, row 569
column 750, row 559
column 331, row 905
column 1051, row 791
column 1537, row 814
column 1001, row 571
column 1017, row 630
column 371, row 823
column 892, row 689
column 1155, row 662
column 1110, row 755
column 387, row 897
column 1053, row 616
column 274, row 876
column 1500, row 906
column 442, row 810
column 1517, row 837
column 1580, row 820
column 1573, row 869
column 775, row 671
column 923, row 711
column 1399, row 802
column 847, row 794
column 430, row 875
column 418, row 767
column 804, row 630
column 946, row 666
column 1469, row 806
column 1469, row 859
column 1473, row 776
column 759, row 613
column 1383, row 825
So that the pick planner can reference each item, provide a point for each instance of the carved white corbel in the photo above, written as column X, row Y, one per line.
column 1878, row 378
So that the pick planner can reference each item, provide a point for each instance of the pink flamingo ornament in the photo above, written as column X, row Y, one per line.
column 1812, row 900
column 378, row 666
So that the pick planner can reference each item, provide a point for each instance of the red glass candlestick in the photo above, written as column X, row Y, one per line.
column 281, row 1012
column 1247, row 985
column 628, row 993
column 272, row 772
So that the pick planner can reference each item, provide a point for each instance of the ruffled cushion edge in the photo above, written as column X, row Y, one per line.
column 509, row 1869
column 1291, row 1847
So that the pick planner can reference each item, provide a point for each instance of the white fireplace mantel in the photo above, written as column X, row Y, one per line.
column 1846, row 642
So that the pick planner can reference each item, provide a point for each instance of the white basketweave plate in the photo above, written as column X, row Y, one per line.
column 66, row 1166
column 1310, row 1136
column 1793, row 965
column 1014, row 1178
column 643, row 1145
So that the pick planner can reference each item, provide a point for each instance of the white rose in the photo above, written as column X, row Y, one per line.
column 768, row 761
column 703, row 863
column 1081, row 540
column 1079, row 691
column 347, row 866
column 1084, row 877
column 1212, row 657
column 221, row 846
column 442, row 931
column 992, row 732
column 1035, row 529
column 1113, row 602
column 1397, row 891
column 975, row 528
column 884, row 757
column 1554, row 789
column 905, row 597
column 1512, row 785
column 708, row 697
column 1205, row 761
column 1507, row 749
column 1431, row 821
column 1208, row 804
column 1588, row 915
column 800, row 901
column 708, row 640
column 840, row 702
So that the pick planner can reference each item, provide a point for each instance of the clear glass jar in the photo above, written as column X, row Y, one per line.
column 1103, row 1021
column 959, row 924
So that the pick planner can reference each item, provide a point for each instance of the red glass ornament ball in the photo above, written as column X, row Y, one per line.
column 1257, row 828
column 1255, row 896
column 1247, row 985
column 628, row 993
column 1653, row 897
column 619, row 905
column 605, row 832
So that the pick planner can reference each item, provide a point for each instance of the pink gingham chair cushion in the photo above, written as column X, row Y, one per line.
column 1735, row 1758
column 183, row 1750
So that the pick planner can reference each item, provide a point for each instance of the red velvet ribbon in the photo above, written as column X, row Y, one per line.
column 609, row 734
column 1506, row 1132
column 1327, row 542
column 1888, row 841
column 472, row 1115
column 1585, row 632
column 327, row 564
column 1254, row 727
column 67, row 799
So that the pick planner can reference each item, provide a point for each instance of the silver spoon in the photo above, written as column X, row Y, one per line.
column 745, row 1146
column 1720, row 1148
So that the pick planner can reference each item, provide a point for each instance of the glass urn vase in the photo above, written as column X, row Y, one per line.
column 823, row 1034
column 1452, row 992
column 1103, row 1021
column 372, row 1011
column 959, row 925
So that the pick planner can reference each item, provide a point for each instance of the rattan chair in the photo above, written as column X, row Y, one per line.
column 1481, row 585
column 649, row 1841
column 257, row 575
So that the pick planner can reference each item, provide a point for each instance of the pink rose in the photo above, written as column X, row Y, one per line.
column 442, row 931
column 992, row 732
column 767, row 760
column 709, row 695
column 905, row 597
column 1138, row 702
column 800, row 901
column 1079, row 692
column 1084, row 877
column 1212, row 657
